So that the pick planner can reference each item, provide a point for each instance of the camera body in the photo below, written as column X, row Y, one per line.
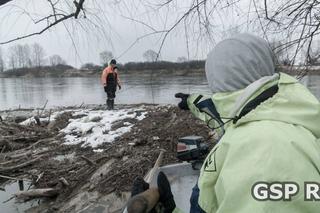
column 192, row 149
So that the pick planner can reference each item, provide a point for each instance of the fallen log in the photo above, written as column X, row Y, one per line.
column 88, row 161
column 22, row 153
column 7, row 169
column 9, row 178
column 37, row 193
column 45, row 140
column 3, row 148
column 64, row 182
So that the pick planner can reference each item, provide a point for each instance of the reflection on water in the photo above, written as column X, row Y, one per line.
column 8, row 205
column 313, row 83
column 34, row 92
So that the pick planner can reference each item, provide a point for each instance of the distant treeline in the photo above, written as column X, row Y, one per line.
column 62, row 70
column 161, row 65
column 151, row 66
column 42, row 71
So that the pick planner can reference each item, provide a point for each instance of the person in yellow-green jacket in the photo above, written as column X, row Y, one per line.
column 268, row 155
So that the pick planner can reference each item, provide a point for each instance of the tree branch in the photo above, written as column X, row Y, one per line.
column 4, row 2
column 79, row 7
column 40, row 32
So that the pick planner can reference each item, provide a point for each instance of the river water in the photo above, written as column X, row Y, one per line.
column 34, row 92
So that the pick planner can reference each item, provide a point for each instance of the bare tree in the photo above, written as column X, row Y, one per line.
column 150, row 55
column 282, row 56
column 19, row 56
column 12, row 59
column 55, row 60
column 314, row 54
column 90, row 66
column 294, row 22
column 105, row 57
column 38, row 55
column 26, row 54
column 19, row 52
column 182, row 59
column 2, row 64
column 58, row 15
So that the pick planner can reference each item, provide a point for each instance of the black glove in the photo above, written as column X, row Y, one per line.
column 105, row 88
column 183, row 103
column 166, row 196
column 139, row 186
column 119, row 87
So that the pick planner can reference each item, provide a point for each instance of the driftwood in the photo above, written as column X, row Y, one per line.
column 3, row 148
column 36, row 193
column 46, row 192
column 37, row 119
column 22, row 153
column 7, row 169
column 39, row 177
column 20, row 138
column 39, row 114
column 90, row 162
column 9, row 178
column 64, row 182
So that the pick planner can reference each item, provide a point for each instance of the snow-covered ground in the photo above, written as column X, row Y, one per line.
column 51, row 118
column 94, row 128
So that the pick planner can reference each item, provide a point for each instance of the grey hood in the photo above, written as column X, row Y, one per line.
column 236, row 62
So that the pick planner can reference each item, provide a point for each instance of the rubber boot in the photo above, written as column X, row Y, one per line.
column 108, row 104
column 112, row 103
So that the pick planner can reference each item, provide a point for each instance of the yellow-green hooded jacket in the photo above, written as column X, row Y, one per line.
column 270, row 134
column 275, row 142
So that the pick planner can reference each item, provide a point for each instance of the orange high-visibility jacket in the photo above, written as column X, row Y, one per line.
column 109, row 70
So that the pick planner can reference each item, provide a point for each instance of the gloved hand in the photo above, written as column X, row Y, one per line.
column 139, row 186
column 183, row 103
column 119, row 87
column 166, row 196
column 105, row 88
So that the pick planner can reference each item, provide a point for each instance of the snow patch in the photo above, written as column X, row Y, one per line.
column 94, row 128
column 31, row 120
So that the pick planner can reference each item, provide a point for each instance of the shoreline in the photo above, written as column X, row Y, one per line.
column 73, row 73
column 95, row 178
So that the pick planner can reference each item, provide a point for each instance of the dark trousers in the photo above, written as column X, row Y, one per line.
column 111, row 94
column 195, row 208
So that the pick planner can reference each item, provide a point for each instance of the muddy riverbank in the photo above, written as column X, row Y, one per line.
column 86, row 157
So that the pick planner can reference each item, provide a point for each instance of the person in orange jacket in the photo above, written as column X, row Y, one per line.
column 110, row 80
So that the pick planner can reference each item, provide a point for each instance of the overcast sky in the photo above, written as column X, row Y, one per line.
column 108, row 27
